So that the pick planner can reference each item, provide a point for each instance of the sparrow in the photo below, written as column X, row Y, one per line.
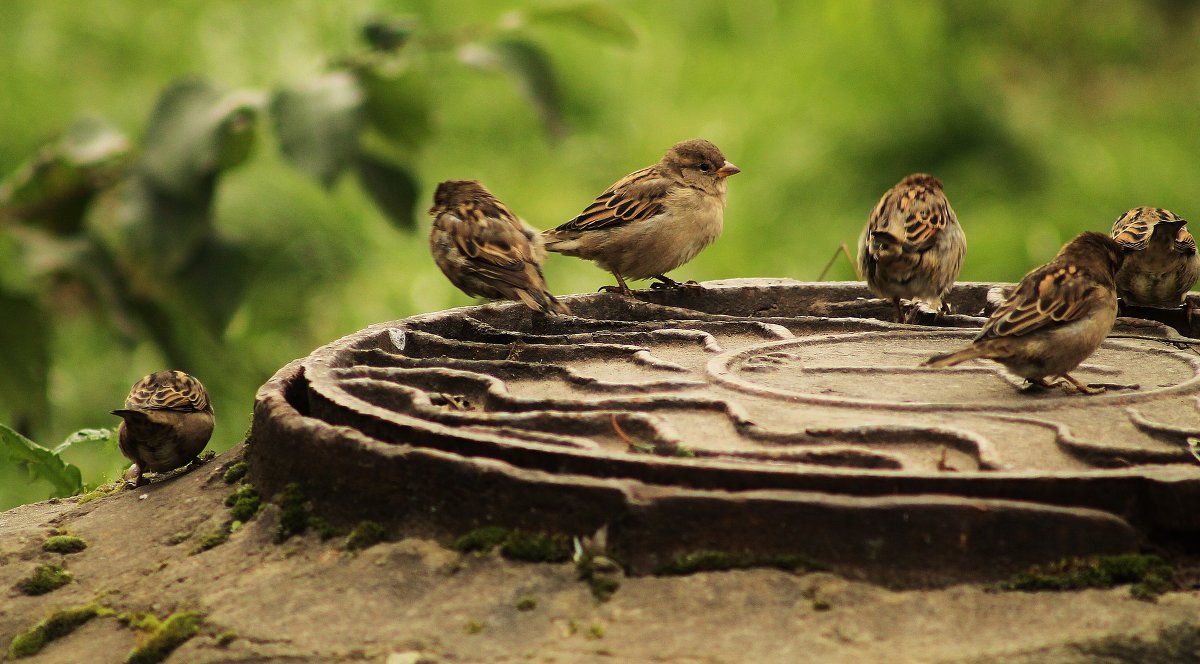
column 1161, row 265
column 166, row 422
column 652, row 220
column 486, row 250
column 912, row 246
column 1055, row 318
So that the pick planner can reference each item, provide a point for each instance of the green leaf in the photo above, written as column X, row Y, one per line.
column 107, row 437
column 25, row 357
column 592, row 18
column 195, row 131
column 39, row 463
column 393, row 188
column 54, row 186
column 388, row 33
column 214, row 283
column 529, row 66
column 318, row 124
column 397, row 100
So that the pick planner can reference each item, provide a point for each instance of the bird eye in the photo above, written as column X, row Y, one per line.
column 705, row 168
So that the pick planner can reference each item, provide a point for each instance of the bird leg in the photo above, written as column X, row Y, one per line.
column 666, row 282
column 620, row 288
column 1072, row 384
column 133, row 476
column 900, row 318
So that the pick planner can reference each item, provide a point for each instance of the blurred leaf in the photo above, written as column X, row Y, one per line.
column 39, row 462
column 397, row 101
column 55, row 185
column 388, row 33
column 194, row 132
column 593, row 18
column 151, row 234
column 393, row 188
column 215, row 282
column 318, row 124
column 528, row 65
column 107, row 437
column 25, row 357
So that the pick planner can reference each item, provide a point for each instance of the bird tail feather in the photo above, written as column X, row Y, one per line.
column 957, row 357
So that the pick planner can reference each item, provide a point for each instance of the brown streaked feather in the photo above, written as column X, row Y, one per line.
column 1133, row 229
column 635, row 197
column 913, row 212
column 168, row 390
column 1051, row 294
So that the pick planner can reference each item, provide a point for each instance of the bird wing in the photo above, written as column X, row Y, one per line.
column 496, row 244
column 168, row 390
column 635, row 197
column 1133, row 229
column 913, row 215
column 1050, row 295
column 1184, row 242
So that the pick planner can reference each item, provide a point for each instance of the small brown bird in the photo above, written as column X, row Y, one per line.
column 912, row 246
column 486, row 250
column 653, row 220
column 166, row 422
column 1056, row 317
column 1162, row 264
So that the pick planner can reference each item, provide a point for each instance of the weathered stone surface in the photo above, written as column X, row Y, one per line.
column 759, row 416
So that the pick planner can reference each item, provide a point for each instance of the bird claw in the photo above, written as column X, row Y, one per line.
column 615, row 289
column 667, row 282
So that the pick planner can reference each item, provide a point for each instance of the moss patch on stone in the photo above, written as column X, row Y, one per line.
column 211, row 540
column 243, row 503
column 293, row 515
column 365, row 534
column 536, row 547
column 58, row 625
column 1149, row 575
column 101, row 491
column 235, row 472
column 44, row 579
column 720, row 561
column 165, row 637
column 64, row 544
column 481, row 540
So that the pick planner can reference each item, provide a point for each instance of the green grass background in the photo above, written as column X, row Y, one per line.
column 1043, row 118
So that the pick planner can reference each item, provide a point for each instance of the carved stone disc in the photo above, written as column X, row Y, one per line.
column 759, row 417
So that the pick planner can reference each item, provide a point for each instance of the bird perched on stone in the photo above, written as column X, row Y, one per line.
column 1056, row 317
column 166, row 422
column 912, row 246
column 486, row 250
column 1161, row 265
column 652, row 220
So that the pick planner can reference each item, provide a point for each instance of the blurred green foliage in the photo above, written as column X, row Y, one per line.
column 1043, row 119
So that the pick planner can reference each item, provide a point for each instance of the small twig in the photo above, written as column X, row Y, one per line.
column 843, row 250
column 619, row 431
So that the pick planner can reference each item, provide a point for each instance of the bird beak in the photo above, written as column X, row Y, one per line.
column 728, row 169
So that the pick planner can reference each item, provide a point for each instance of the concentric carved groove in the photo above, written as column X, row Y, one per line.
column 759, row 416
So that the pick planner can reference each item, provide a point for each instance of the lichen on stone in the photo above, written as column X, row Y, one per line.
column 57, row 625
column 45, row 578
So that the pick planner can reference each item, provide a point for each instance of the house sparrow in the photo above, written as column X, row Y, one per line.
column 912, row 246
column 1161, row 265
column 486, row 250
column 1055, row 318
column 166, row 422
column 653, row 220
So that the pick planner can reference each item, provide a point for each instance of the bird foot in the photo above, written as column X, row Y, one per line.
column 615, row 289
column 664, row 281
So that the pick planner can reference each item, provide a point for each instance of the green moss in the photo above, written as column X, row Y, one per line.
column 325, row 530
column 243, row 503
column 211, row 540
column 235, row 472
column 101, row 491
column 717, row 561
column 821, row 604
column 1149, row 575
column 364, row 535
column 44, row 579
column 59, row 624
column 596, row 631
column 527, row 603
column 64, row 544
column 481, row 539
column 473, row 627
column 601, row 573
column 226, row 638
column 140, row 620
column 169, row 635
column 293, row 516
column 536, row 547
